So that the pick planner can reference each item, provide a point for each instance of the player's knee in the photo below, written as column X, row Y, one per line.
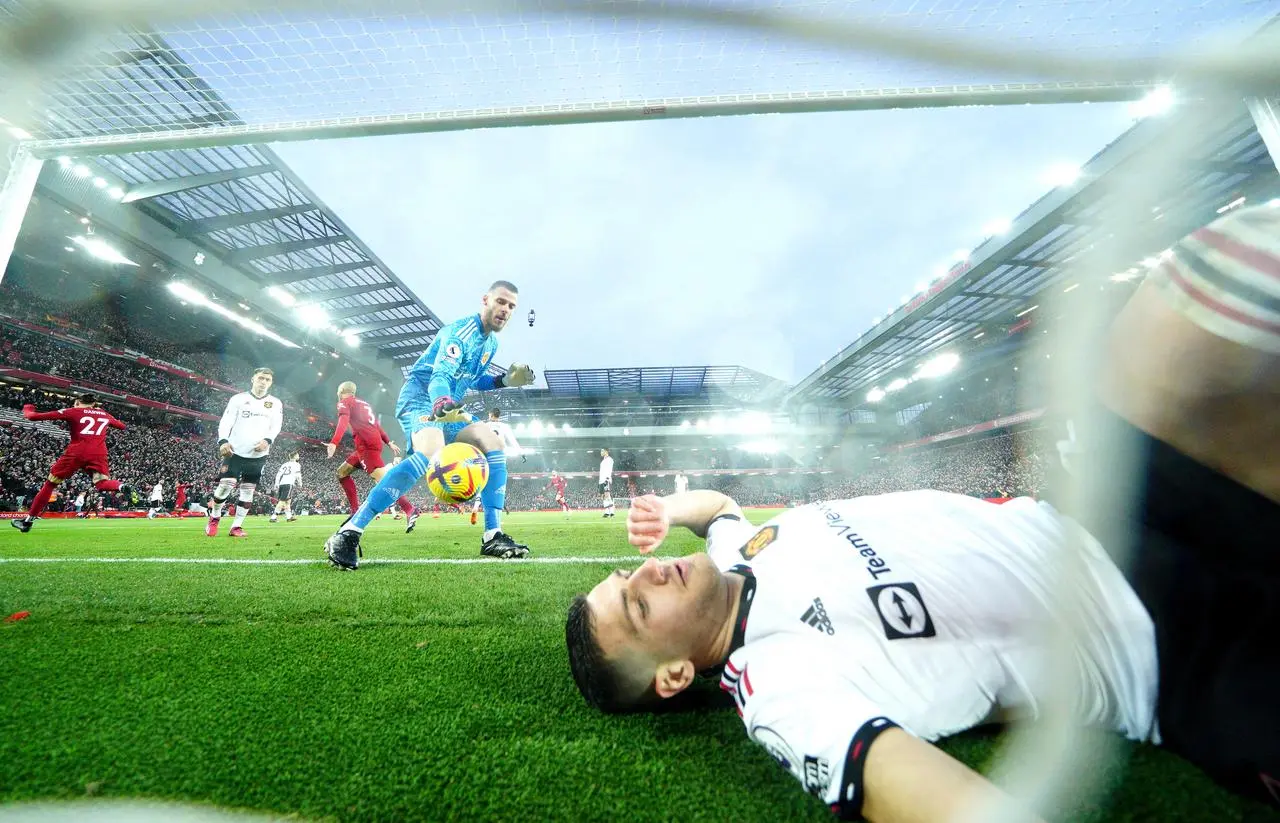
column 223, row 490
column 246, row 491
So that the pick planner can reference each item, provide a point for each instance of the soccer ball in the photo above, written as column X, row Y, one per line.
column 457, row 473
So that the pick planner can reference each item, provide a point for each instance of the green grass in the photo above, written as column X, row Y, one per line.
column 398, row 692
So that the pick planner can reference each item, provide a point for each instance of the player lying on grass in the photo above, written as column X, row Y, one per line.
column 86, row 452
column 430, row 412
column 369, row 438
column 851, row 633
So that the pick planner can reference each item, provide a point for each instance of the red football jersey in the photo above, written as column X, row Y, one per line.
column 559, row 483
column 358, row 415
column 88, row 426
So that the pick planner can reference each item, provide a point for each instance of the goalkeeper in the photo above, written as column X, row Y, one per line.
column 430, row 412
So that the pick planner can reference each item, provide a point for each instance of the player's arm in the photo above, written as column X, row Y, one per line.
column 651, row 517
column 344, row 422
column 908, row 780
column 227, row 422
column 114, row 423
column 277, row 422
column 29, row 412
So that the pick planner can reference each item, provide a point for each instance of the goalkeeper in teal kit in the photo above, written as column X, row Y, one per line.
column 430, row 412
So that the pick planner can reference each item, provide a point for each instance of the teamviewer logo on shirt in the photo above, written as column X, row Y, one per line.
column 902, row 611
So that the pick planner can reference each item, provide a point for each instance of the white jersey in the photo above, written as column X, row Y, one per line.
column 682, row 484
column 249, row 419
column 157, row 492
column 606, row 470
column 510, row 445
column 927, row 610
column 289, row 473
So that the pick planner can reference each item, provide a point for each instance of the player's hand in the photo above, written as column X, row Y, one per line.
column 394, row 449
column 261, row 446
column 329, row 449
column 225, row 450
column 647, row 523
column 448, row 410
column 518, row 375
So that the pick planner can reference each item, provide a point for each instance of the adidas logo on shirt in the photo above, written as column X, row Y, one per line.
column 816, row 616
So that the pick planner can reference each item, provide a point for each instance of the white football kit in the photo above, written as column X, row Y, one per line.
column 924, row 610
column 606, row 470
column 289, row 473
column 157, row 493
column 510, row 445
column 249, row 419
column 682, row 484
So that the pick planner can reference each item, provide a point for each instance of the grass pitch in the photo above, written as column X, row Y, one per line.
column 405, row 691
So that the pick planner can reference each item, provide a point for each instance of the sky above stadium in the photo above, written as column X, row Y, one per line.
column 765, row 241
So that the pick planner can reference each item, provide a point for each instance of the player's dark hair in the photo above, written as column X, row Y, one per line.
column 495, row 412
column 504, row 284
column 88, row 398
column 602, row 683
column 295, row 455
column 263, row 370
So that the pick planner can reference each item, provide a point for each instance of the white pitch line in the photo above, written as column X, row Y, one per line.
column 407, row 561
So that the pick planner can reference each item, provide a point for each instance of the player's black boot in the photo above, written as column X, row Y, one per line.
column 501, row 545
column 343, row 550
column 410, row 521
column 23, row 525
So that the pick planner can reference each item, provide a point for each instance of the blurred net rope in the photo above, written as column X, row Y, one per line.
column 53, row 53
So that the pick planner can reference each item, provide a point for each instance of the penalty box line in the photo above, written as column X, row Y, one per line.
column 407, row 561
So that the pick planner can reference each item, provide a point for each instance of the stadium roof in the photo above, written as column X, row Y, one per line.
column 744, row 384
column 381, row 66
column 1006, row 277
column 243, row 204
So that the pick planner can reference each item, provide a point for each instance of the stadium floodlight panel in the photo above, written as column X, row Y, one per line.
column 283, row 297
column 1157, row 101
column 898, row 385
column 761, row 447
column 536, row 427
column 313, row 316
column 352, row 340
column 193, row 296
column 940, row 365
column 875, row 395
column 102, row 250
column 81, row 171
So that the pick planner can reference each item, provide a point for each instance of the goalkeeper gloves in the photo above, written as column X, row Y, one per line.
column 518, row 375
column 448, row 410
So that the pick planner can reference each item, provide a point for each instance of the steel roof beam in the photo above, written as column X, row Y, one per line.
column 398, row 338
column 372, row 308
column 328, row 295
column 281, row 278
column 159, row 188
column 205, row 225
column 243, row 255
column 365, row 328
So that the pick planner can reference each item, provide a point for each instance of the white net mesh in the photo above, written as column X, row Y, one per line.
column 259, row 64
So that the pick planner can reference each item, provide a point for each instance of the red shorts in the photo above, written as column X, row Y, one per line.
column 559, row 498
column 366, row 457
column 71, row 462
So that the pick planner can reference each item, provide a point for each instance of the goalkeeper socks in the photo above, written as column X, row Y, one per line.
column 348, row 485
column 398, row 480
column 494, row 495
column 41, row 500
